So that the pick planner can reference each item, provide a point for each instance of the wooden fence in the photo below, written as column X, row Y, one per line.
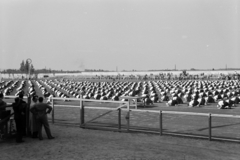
column 126, row 106
column 128, row 109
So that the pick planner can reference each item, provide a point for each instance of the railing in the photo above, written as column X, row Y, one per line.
column 126, row 104
column 81, row 106
column 84, row 124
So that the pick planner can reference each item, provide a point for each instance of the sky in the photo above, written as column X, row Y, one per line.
column 122, row 34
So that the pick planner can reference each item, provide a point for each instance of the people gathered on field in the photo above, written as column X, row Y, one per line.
column 29, row 116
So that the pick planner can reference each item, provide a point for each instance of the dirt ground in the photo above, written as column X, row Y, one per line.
column 72, row 142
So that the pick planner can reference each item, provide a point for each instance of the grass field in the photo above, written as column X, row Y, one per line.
column 73, row 142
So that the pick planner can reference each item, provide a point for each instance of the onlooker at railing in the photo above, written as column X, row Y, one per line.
column 24, row 106
column 40, row 110
column 3, row 104
column 32, row 119
column 19, row 115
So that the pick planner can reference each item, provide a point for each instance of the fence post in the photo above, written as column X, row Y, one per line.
column 52, row 110
column 160, row 123
column 119, row 119
column 27, row 115
column 81, row 112
column 128, row 116
column 210, row 126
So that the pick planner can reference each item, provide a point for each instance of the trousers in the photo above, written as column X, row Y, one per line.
column 20, row 129
column 43, row 122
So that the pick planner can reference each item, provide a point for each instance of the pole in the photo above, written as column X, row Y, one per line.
column 0, row 75
column 29, row 71
column 52, row 110
column 210, row 126
column 27, row 115
column 29, row 66
column 81, row 112
column 160, row 123
column 119, row 119
column 128, row 116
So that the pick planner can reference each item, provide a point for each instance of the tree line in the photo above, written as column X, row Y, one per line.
column 25, row 66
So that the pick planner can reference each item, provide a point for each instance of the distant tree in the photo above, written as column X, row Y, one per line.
column 22, row 67
column 26, row 67
column 32, row 70
column 184, row 72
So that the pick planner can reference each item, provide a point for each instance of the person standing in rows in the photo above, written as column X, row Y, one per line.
column 19, row 115
column 32, row 119
column 41, row 110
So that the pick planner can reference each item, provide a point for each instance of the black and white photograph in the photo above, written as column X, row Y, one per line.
column 120, row 79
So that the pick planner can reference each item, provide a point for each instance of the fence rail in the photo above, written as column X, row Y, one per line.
column 160, row 131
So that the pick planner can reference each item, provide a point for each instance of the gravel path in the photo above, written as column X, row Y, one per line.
column 72, row 142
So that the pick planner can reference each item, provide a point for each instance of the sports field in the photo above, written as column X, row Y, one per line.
column 105, row 141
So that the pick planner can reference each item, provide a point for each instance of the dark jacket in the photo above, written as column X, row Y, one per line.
column 41, row 109
column 19, row 109
column 3, row 106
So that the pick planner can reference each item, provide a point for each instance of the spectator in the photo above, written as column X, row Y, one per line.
column 19, row 112
column 40, row 110
column 32, row 119
column 23, row 105
column 3, row 104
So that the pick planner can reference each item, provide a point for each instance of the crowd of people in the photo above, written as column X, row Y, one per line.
column 29, row 117
column 166, row 76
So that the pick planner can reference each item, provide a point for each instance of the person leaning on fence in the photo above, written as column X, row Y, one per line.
column 3, row 104
column 19, row 112
column 33, row 126
column 24, row 106
column 41, row 110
